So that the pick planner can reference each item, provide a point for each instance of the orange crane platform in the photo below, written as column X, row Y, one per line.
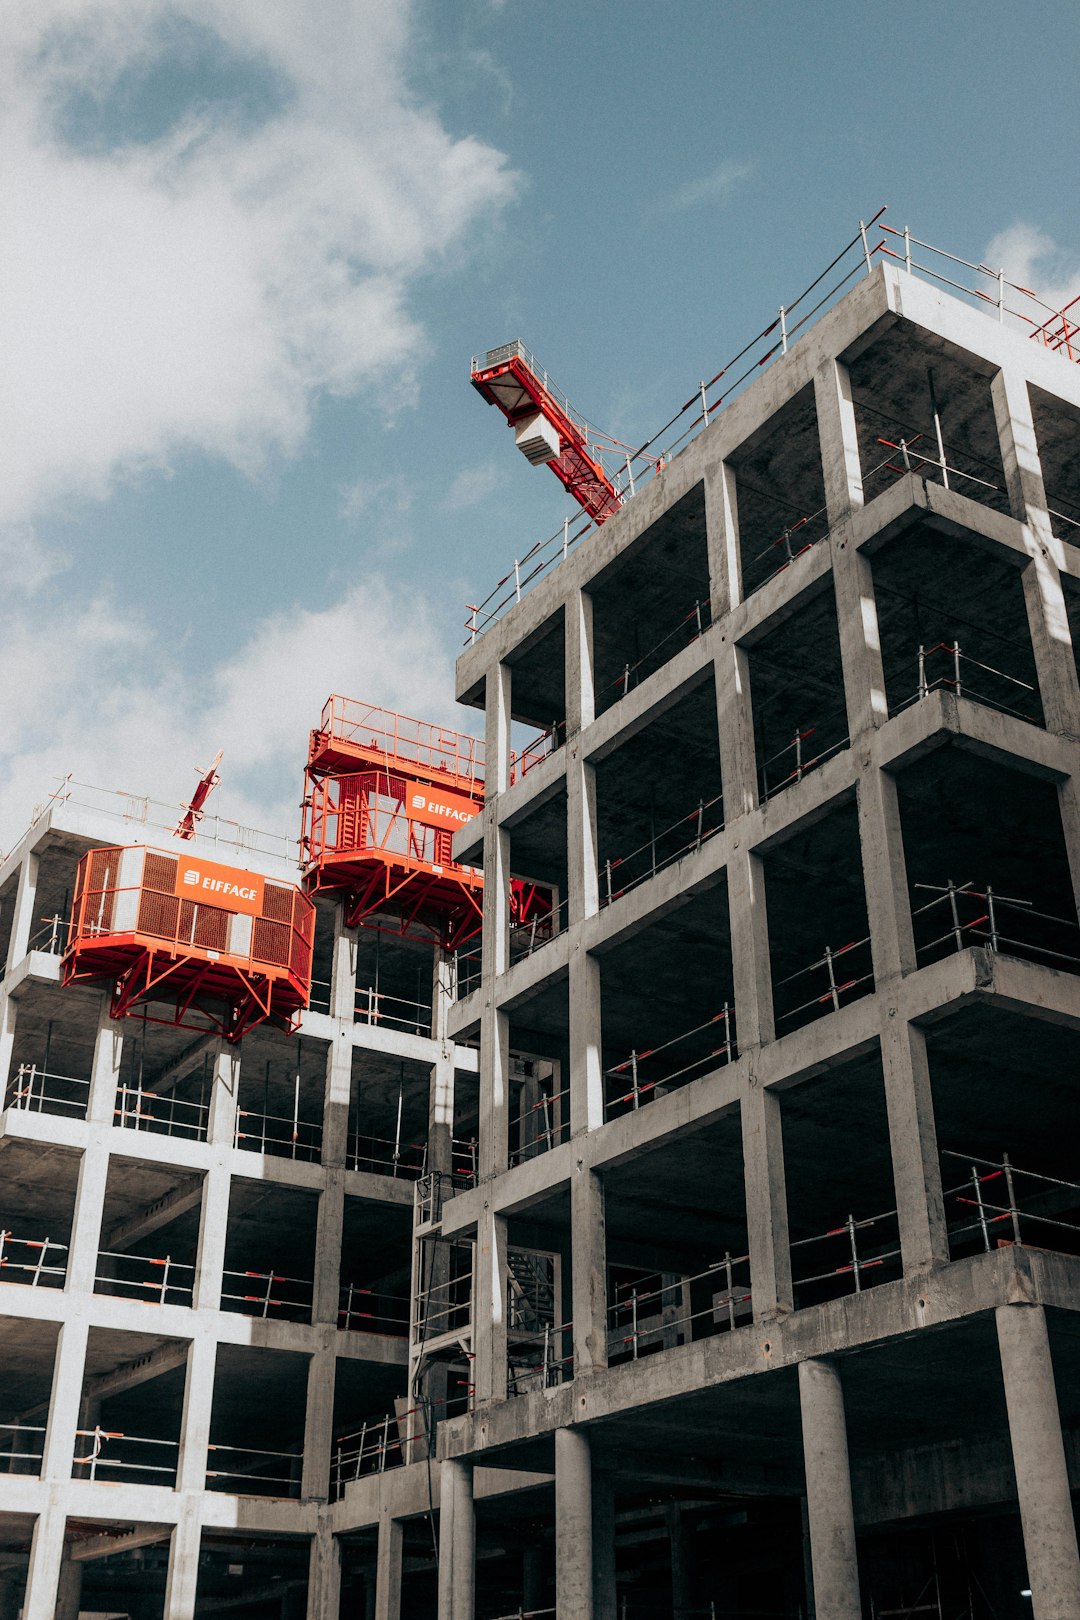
column 547, row 431
column 189, row 942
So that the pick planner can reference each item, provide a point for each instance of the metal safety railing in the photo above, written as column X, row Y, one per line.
column 443, row 1307
column 374, row 1006
column 385, row 1156
column 22, row 1448
column 848, row 1257
column 112, row 1455
column 621, row 873
column 801, row 534
column 147, row 812
column 365, row 1310
column 924, row 454
column 157, row 1279
column 51, row 937
column 468, row 961
column 280, row 1136
column 538, row 929
column 41, row 1091
column 685, row 632
column 644, row 1319
column 378, row 1444
column 999, row 1203
column 549, row 1364
column 839, row 975
column 252, row 1471
column 540, row 1125
column 652, row 1071
column 802, row 754
column 538, row 748
column 268, row 1294
column 32, row 1259
column 165, row 1114
column 436, row 747
column 961, row 915
column 943, row 667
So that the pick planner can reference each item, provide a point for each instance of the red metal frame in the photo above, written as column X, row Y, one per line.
column 509, row 379
column 361, row 835
column 162, row 951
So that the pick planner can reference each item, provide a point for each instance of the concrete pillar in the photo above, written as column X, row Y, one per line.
column 588, row 1257
column 489, row 1308
column 828, row 1492
column 722, row 538
column 22, row 924
column 105, row 1068
column 64, row 1400
column 573, row 1526
column 183, row 1577
column 766, row 1202
column 343, row 969
column 586, row 1049
column 680, row 1590
column 604, row 1587
column 1042, row 1481
column 1047, row 618
column 735, row 727
column 85, row 1239
column 319, row 1419
column 920, row 1205
column 43, row 1570
column 750, row 959
column 840, row 464
column 580, row 693
column 443, row 1074
column 532, row 1579
column 884, row 871
column 214, row 1215
column 324, row 1576
column 9, row 1009
column 388, row 1569
column 69, row 1589
column 457, row 1541
column 195, row 1416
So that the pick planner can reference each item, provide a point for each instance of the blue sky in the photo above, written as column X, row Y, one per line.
column 256, row 242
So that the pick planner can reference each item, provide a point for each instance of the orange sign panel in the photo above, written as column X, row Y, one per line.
column 226, row 887
column 435, row 807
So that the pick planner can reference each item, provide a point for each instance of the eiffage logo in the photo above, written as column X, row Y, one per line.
column 439, row 809
column 223, row 886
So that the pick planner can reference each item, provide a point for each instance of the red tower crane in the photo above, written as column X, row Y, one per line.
column 546, row 430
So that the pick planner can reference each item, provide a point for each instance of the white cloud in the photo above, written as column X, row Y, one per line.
column 370, row 495
column 1032, row 260
column 472, row 485
column 714, row 187
column 99, row 707
column 197, row 290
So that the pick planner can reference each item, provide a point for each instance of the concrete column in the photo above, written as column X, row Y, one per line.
column 86, row 1223
column 43, row 1571
column 214, row 1215
column 828, row 1492
column 840, row 464
column 8, row 1014
column 329, row 1227
column 1047, row 619
column 22, row 925
column 586, row 1048
column 1042, row 1481
column 105, row 1068
column 319, row 1420
column 183, row 1576
column 582, row 881
column 766, row 1202
column 884, row 870
column 751, row 964
column 580, row 694
column 588, row 1254
column 680, row 1591
column 532, row 1579
column 920, row 1205
column 443, row 1073
column 722, row 538
column 604, row 1590
column 388, row 1569
column 573, row 1526
column 735, row 727
column 64, row 1400
column 343, row 969
column 224, row 1094
column 69, row 1589
column 489, row 1308
column 494, row 1050
column 324, row 1576
column 195, row 1417
column 457, row 1541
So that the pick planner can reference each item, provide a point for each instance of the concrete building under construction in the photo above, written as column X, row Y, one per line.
column 658, row 1196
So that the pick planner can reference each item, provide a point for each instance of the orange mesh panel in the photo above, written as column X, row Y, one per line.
column 207, row 926
column 99, row 891
column 277, row 903
column 352, row 820
column 159, row 873
column 270, row 942
column 157, row 914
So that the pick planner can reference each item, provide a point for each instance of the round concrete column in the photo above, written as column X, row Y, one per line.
column 573, row 1526
column 1042, row 1481
column 828, row 1492
column 457, row 1541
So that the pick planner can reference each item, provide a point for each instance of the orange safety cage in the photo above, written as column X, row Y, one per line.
column 175, row 958
column 385, row 794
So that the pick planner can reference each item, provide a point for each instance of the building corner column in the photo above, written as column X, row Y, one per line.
column 828, row 1492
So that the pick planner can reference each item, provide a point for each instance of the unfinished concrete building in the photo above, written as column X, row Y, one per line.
column 703, row 1238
